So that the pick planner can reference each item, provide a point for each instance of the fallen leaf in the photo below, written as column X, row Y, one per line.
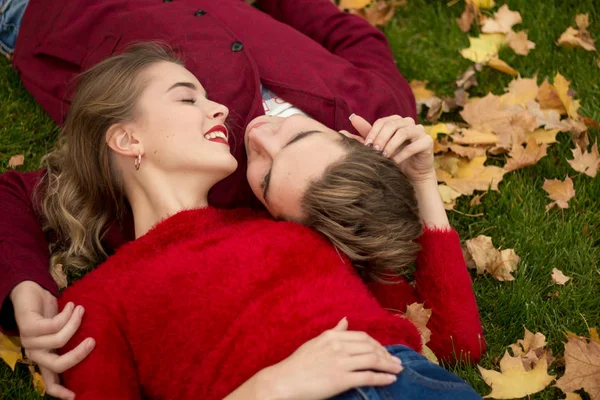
column 38, row 382
column 577, row 38
column 519, row 43
column 353, row 4
column 423, row 96
column 485, row 257
column 471, row 175
column 503, row 21
column 502, row 66
column 419, row 316
column 582, row 367
column 428, row 354
column 520, row 91
column 10, row 350
column 562, row 89
column 476, row 200
column 435, row 110
column 483, row 48
column 549, row 99
column 525, row 156
column 468, row 79
column 513, row 381
column 467, row 17
column 461, row 97
column 486, row 4
column 582, row 21
column 547, row 136
column 559, row 191
column 435, row 130
column 16, row 161
column 469, row 152
column 474, row 137
column 531, row 348
column 484, row 113
column 572, row 396
column 558, row 277
column 513, row 130
column 59, row 276
column 588, row 163
column 448, row 196
column 378, row 13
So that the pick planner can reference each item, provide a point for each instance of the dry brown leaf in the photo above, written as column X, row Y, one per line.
column 562, row 89
column 502, row 66
column 525, row 156
column 582, row 367
column 548, row 118
column 577, row 38
column 503, row 21
column 470, row 175
column 513, row 381
column 585, row 162
column 520, row 91
column 476, row 200
column 519, row 43
column 59, row 276
column 474, row 137
column 544, row 135
column 10, row 350
column 531, row 348
column 469, row 152
column 468, row 79
column 484, row 113
column 549, row 99
column 448, row 196
column 582, row 21
column 419, row 316
column 558, row 277
column 485, row 257
column 16, row 161
column 423, row 96
column 514, row 130
column 559, row 191
column 379, row 12
column 467, row 17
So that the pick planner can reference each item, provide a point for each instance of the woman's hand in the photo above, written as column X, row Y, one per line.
column 43, row 330
column 332, row 363
column 401, row 140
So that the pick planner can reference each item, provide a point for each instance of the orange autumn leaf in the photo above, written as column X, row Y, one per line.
column 586, row 162
column 16, row 161
column 559, row 191
column 525, row 156
column 353, row 4
column 484, row 257
column 466, row 176
column 549, row 99
column 502, row 66
column 419, row 316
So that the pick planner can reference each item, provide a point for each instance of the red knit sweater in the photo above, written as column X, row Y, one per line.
column 209, row 297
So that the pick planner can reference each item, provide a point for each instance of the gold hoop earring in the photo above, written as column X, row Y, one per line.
column 137, row 162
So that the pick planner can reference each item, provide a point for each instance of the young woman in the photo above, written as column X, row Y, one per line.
column 230, row 303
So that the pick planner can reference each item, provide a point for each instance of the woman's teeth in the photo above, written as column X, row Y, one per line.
column 214, row 135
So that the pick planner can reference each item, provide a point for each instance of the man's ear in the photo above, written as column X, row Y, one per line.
column 351, row 136
column 123, row 141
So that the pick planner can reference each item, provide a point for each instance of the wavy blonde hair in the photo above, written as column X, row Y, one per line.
column 367, row 208
column 81, row 193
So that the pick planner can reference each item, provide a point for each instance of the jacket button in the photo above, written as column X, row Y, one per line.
column 199, row 13
column 237, row 46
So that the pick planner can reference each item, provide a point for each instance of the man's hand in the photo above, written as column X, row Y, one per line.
column 44, row 330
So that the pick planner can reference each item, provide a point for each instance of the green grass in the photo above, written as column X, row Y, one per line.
column 426, row 40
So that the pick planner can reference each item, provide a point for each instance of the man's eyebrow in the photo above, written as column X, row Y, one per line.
column 184, row 84
column 267, row 180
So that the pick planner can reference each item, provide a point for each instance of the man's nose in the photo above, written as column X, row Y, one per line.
column 263, row 141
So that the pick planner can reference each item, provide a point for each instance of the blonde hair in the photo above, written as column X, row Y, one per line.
column 367, row 208
column 81, row 191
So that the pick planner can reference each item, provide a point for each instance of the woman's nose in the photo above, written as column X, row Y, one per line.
column 218, row 111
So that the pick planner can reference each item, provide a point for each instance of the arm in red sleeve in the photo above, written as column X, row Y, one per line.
column 444, row 285
column 109, row 371
column 23, row 245
column 347, row 36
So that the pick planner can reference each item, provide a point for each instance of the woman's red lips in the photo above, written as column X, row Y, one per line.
column 218, row 128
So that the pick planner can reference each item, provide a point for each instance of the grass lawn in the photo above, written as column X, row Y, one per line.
column 425, row 41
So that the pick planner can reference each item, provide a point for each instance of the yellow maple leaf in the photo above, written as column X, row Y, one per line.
column 559, row 191
column 10, row 350
column 502, row 66
column 448, row 196
column 548, row 98
column 520, row 91
column 485, row 4
column 585, row 162
column 513, row 381
column 483, row 48
column 547, row 136
column 38, row 382
column 562, row 90
column 435, row 130
column 472, row 175
column 582, row 367
column 353, row 4
column 474, row 137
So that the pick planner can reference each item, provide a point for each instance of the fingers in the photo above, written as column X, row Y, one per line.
column 374, row 361
column 53, row 386
column 421, row 145
column 370, row 378
column 60, row 338
column 384, row 128
column 59, row 364
column 362, row 126
column 342, row 325
column 32, row 323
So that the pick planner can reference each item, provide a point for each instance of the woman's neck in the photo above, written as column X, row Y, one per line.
column 155, row 197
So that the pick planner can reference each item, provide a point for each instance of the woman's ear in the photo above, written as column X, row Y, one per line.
column 123, row 141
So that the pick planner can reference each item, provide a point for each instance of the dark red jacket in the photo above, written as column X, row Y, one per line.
column 328, row 63
column 213, row 296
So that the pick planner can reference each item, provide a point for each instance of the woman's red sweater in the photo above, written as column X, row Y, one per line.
column 209, row 297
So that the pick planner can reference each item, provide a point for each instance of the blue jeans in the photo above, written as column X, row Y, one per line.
column 11, row 15
column 420, row 379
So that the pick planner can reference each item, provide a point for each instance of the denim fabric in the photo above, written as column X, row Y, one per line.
column 420, row 379
column 11, row 15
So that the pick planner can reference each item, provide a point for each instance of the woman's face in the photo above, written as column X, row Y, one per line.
column 180, row 130
column 284, row 156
